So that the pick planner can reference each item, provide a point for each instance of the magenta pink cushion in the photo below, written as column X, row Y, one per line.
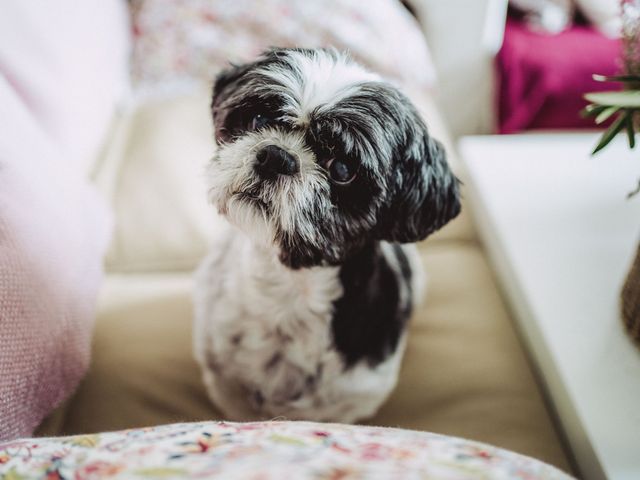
column 542, row 78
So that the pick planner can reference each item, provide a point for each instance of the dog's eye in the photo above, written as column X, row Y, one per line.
column 259, row 121
column 341, row 172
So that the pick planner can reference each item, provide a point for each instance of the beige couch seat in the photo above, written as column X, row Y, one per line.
column 464, row 372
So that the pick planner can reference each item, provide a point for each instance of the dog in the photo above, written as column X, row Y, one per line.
column 326, row 175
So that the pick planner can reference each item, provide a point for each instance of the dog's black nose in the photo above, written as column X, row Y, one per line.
column 273, row 160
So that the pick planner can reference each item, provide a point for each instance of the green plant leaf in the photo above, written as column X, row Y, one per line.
column 626, row 98
column 611, row 132
column 616, row 78
column 592, row 110
column 631, row 133
column 605, row 114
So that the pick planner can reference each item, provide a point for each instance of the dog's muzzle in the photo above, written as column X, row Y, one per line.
column 272, row 161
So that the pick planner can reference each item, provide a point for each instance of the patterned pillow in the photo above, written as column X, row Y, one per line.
column 267, row 450
column 180, row 41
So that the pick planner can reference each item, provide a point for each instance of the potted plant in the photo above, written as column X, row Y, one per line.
column 624, row 107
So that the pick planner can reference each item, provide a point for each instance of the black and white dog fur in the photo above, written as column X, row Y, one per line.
column 326, row 174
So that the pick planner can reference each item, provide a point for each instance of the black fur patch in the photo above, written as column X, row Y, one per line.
column 369, row 318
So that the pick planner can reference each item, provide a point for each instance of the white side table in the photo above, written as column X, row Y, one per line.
column 561, row 235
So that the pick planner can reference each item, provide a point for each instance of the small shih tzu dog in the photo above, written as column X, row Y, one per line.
column 326, row 174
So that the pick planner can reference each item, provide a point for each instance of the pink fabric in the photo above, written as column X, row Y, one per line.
column 542, row 78
column 53, row 231
column 56, row 102
column 68, row 63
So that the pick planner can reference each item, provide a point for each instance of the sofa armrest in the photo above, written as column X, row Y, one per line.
column 464, row 37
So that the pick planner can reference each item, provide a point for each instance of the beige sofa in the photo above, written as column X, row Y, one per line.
column 465, row 372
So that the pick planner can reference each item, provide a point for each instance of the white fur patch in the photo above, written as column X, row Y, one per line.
column 418, row 277
column 318, row 81
column 232, row 173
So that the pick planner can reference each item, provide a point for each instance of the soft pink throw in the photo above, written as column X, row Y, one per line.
column 59, row 67
column 52, row 236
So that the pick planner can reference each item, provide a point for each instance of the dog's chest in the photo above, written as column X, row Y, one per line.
column 266, row 328
column 264, row 336
column 279, row 316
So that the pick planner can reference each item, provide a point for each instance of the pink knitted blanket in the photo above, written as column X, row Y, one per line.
column 53, row 226
column 52, row 236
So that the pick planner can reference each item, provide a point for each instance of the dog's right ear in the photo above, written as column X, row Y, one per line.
column 226, row 83
column 229, row 82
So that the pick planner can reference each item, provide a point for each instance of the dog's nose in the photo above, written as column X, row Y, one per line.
column 273, row 160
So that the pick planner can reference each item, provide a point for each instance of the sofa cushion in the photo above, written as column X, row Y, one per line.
column 543, row 78
column 179, row 43
column 300, row 450
column 464, row 372
column 153, row 176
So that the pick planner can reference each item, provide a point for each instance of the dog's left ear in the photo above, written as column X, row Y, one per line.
column 424, row 192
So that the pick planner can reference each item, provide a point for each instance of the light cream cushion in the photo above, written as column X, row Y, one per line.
column 153, row 177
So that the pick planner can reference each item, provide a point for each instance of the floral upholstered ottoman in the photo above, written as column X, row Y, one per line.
column 266, row 450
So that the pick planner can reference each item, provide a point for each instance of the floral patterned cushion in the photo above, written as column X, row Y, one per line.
column 178, row 42
column 266, row 450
